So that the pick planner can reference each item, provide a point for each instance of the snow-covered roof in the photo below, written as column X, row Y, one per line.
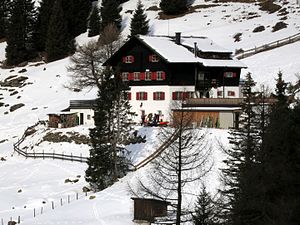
column 204, row 44
column 179, row 53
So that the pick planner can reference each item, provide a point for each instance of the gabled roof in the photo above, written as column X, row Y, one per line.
column 169, row 51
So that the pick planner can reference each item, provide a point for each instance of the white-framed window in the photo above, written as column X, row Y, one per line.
column 141, row 96
column 153, row 58
column 229, row 74
column 125, row 76
column 160, row 75
column 220, row 93
column 231, row 93
column 136, row 76
column 159, row 95
column 88, row 117
column 128, row 59
column 148, row 75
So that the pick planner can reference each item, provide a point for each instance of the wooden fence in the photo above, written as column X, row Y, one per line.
column 269, row 46
column 47, row 155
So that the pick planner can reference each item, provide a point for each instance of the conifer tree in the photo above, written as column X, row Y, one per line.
column 42, row 24
column 241, row 189
column 58, row 44
column 76, row 13
column 139, row 23
column 20, row 46
column 110, row 13
column 4, row 14
column 173, row 7
column 108, row 157
column 205, row 209
column 94, row 22
column 280, row 162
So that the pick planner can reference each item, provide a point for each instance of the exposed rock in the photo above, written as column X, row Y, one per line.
column 20, row 190
column 15, row 107
column 22, row 71
column 92, row 197
column 258, row 29
column 14, row 93
column 11, row 223
column 278, row 26
column 72, row 136
column 14, row 81
column 86, row 189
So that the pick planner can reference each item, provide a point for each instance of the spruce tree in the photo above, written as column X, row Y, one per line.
column 58, row 44
column 139, row 23
column 205, row 209
column 280, row 162
column 42, row 25
column 240, row 175
column 112, row 120
column 20, row 46
column 76, row 13
column 110, row 13
column 4, row 14
column 173, row 7
column 94, row 22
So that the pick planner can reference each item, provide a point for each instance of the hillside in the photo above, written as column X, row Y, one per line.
column 26, row 184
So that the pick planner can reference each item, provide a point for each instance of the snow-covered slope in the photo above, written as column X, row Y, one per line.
column 25, row 183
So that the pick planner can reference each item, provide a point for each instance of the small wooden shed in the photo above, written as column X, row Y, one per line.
column 62, row 119
column 146, row 209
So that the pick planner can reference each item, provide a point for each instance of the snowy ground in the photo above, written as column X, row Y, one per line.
column 25, row 183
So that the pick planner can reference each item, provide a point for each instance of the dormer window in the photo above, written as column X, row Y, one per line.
column 153, row 58
column 128, row 59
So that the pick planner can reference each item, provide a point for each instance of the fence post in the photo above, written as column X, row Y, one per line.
column 68, row 198
column 34, row 212
column 42, row 209
column 53, row 155
column 76, row 196
column 52, row 205
column 43, row 154
column 62, row 155
column 33, row 154
column 71, row 157
column 19, row 219
column 2, row 222
column 61, row 202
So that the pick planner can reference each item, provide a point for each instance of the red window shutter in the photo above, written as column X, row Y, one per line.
column 174, row 95
column 150, row 58
column 124, row 59
column 130, row 76
column 163, row 96
column 234, row 75
column 154, row 96
column 142, row 76
column 129, row 95
column 163, row 75
column 132, row 58
column 145, row 94
column 154, row 75
column 138, row 96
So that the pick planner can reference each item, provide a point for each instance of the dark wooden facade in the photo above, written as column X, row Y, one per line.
column 148, row 209
column 176, row 73
column 62, row 120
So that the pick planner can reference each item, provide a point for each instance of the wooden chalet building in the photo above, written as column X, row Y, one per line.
column 162, row 71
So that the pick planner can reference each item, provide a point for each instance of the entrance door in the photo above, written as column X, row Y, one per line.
column 81, row 119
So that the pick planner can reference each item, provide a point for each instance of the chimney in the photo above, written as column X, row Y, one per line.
column 177, row 38
column 195, row 49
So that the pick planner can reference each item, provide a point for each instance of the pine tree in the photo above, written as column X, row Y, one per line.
column 76, row 13
column 20, row 46
column 58, row 44
column 205, row 209
column 280, row 162
column 110, row 13
column 4, row 14
column 241, row 189
column 94, row 22
column 173, row 7
column 100, row 164
column 139, row 23
column 108, row 156
column 42, row 24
